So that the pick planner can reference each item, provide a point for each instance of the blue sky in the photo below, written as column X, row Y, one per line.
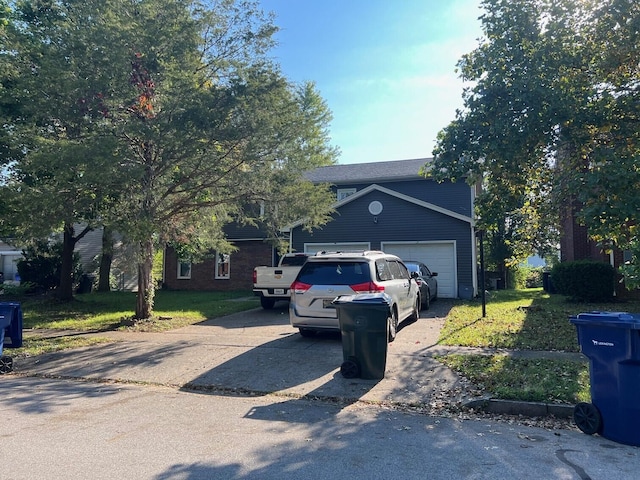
column 386, row 68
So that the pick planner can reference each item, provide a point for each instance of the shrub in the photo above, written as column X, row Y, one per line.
column 41, row 264
column 584, row 280
column 527, row 277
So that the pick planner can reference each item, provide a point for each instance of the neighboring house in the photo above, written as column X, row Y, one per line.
column 89, row 248
column 124, row 271
column 9, row 257
column 576, row 245
column 380, row 206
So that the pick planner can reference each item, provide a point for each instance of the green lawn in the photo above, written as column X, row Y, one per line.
column 527, row 319
column 99, row 312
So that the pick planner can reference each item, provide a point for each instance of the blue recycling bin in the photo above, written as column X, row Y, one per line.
column 11, row 324
column 364, row 328
column 611, row 342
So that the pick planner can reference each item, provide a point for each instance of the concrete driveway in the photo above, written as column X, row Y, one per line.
column 257, row 352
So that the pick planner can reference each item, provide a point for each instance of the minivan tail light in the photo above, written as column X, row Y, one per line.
column 368, row 287
column 300, row 287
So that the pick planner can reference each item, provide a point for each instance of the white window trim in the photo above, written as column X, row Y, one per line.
column 228, row 262
column 178, row 273
column 343, row 193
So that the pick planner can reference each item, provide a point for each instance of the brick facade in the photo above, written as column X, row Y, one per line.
column 250, row 253
column 575, row 245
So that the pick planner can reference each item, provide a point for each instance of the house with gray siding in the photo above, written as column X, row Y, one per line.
column 379, row 206
column 388, row 206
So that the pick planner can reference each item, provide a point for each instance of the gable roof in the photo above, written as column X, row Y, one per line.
column 401, row 196
column 368, row 172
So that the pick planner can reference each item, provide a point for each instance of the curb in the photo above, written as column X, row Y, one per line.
column 529, row 409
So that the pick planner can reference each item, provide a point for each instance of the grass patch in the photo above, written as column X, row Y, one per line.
column 531, row 380
column 528, row 319
column 100, row 312
column 32, row 346
column 114, row 310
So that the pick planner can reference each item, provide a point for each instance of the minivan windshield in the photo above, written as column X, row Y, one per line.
column 334, row 273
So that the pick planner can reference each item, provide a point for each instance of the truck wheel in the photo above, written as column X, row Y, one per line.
column 267, row 303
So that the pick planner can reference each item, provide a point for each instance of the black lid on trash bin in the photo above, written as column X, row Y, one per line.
column 609, row 319
column 364, row 299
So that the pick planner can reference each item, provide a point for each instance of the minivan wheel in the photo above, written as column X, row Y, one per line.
column 306, row 333
column 415, row 315
column 393, row 326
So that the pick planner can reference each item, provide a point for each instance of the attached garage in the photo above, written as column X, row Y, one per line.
column 440, row 257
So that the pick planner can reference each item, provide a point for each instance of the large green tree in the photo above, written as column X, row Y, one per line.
column 177, row 104
column 550, row 120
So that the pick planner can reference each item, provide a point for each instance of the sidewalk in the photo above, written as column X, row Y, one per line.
column 257, row 352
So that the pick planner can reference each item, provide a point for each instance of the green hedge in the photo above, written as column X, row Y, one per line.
column 584, row 280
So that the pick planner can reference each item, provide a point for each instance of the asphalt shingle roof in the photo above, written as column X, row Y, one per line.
column 368, row 172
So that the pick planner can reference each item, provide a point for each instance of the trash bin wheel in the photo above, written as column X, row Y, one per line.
column 6, row 364
column 587, row 418
column 350, row 369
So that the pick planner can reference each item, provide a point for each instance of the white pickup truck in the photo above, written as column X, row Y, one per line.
column 272, row 283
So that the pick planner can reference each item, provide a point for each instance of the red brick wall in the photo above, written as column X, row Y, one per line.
column 575, row 245
column 249, row 254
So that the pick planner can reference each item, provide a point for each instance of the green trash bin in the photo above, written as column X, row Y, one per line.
column 364, row 328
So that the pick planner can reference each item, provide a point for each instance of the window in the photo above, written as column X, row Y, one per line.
column 222, row 266
column 382, row 268
column 345, row 192
column 184, row 269
column 396, row 272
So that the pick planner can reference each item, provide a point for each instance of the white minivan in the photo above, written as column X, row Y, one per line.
column 328, row 275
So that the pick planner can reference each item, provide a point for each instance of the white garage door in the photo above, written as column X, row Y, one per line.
column 335, row 247
column 439, row 257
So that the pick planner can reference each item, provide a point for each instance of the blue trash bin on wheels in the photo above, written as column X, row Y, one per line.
column 611, row 342
column 10, row 327
column 364, row 328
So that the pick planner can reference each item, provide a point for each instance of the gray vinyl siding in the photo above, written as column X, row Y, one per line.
column 399, row 221
column 452, row 196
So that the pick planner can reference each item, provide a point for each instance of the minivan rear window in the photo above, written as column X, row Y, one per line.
column 334, row 273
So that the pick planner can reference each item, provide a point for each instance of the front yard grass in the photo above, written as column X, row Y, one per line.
column 528, row 319
column 100, row 312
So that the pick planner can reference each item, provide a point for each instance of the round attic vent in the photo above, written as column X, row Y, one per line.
column 375, row 208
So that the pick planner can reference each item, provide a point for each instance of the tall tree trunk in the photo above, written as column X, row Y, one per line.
column 69, row 241
column 146, row 288
column 65, row 287
column 105, row 260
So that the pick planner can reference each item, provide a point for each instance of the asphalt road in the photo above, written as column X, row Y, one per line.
column 246, row 397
